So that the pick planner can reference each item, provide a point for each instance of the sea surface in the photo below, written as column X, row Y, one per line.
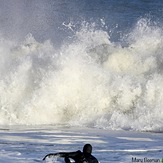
column 81, row 71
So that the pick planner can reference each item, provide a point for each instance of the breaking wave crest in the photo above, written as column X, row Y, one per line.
column 90, row 81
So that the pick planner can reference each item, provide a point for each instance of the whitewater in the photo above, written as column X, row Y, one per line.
column 88, row 83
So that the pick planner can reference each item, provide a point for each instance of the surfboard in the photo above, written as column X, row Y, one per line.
column 56, row 157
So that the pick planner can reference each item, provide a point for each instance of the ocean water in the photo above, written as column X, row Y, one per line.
column 93, row 64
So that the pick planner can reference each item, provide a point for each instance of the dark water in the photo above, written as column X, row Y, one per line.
column 44, row 18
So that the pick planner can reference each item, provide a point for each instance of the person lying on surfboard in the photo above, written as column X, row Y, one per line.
column 78, row 156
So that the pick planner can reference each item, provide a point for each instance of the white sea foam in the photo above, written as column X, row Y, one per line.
column 90, row 81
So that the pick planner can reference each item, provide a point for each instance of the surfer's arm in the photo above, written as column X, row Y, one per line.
column 73, row 154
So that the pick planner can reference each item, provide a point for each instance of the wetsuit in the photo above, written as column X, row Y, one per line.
column 80, row 157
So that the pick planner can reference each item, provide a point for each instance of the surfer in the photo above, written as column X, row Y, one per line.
column 78, row 156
